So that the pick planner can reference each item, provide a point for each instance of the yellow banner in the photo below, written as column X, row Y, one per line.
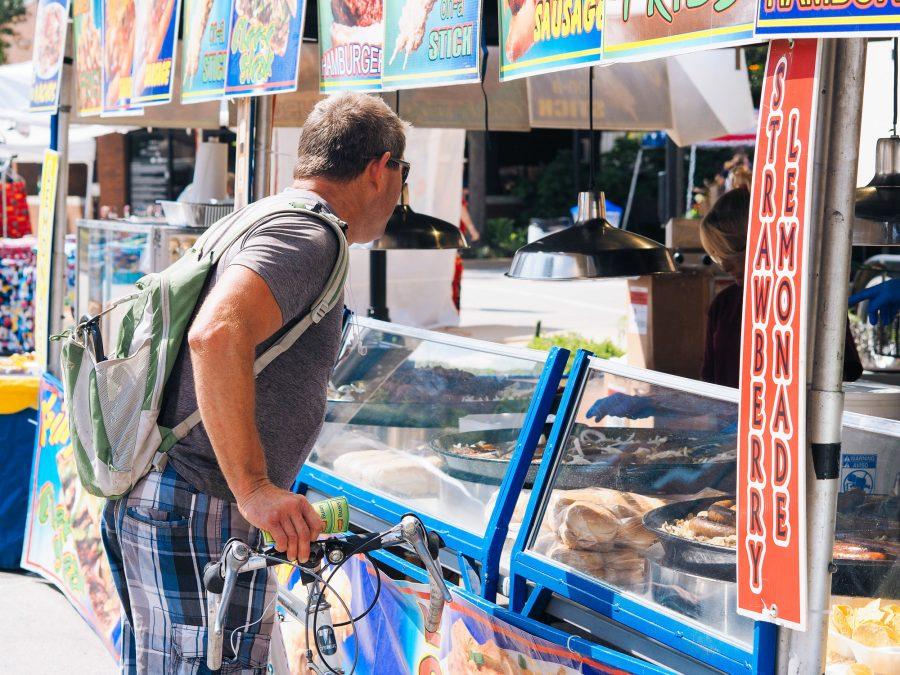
column 49, row 176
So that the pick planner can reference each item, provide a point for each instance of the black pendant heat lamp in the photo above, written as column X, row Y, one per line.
column 877, row 214
column 592, row 248
column 407, row 229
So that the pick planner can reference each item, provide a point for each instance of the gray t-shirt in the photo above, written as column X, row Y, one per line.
column 295, row 256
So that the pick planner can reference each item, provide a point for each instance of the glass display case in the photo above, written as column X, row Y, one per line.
column 113, row 254
column 433, row 423
column 633, row 514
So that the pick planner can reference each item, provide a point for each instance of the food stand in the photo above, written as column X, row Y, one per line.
column 626, row 537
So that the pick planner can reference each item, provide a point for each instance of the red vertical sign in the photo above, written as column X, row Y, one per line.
column 771, row 492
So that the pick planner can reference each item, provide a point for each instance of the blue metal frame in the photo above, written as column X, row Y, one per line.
column 484, row 550
column 580, row 646
column 548, row 576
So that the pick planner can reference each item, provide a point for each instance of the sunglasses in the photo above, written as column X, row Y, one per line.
column 402, row 164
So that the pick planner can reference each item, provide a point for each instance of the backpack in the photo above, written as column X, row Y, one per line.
column 114, row 403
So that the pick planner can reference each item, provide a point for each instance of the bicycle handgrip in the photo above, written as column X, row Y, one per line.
column 335, row 515
column 435, row 607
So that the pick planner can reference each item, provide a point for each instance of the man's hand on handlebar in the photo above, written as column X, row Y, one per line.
column 288, row 517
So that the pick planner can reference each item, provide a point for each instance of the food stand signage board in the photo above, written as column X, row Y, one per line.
column 468, row 640
column 50, row 29
column 46, row 212
column 351, row 44
column 771, row 494
column 62, row 529
column 264, row 47
column 543, row 36
column 117, row 44
column 852, row 18
column 204, row 49
column 88, row 23
column 155, row 38
column 641, row 29
column 428, row 49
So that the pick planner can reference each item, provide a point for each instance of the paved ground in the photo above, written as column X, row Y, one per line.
column 506, row 310
column 41, row 633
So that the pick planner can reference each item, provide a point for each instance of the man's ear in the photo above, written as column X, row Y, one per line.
column 377, row 171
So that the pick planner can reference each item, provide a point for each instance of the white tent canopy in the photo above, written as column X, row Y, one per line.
column 693, row 97
column 27, row 134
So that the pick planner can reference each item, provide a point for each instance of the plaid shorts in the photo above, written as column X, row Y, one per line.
column 158, row 539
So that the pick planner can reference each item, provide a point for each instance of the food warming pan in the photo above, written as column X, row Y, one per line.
column 852, row 577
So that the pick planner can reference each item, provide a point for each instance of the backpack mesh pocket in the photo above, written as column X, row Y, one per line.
column 121, row 384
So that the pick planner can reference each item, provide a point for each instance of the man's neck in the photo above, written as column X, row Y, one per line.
column 339, row 198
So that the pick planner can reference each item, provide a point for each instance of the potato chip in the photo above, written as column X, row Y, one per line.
column 859, row 669
column 871, row 611
column 873, row 634
column 842, row 619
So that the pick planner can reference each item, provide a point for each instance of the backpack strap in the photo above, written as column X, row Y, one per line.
column 323, row 304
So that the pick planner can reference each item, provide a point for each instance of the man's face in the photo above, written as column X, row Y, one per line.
column 384, row 183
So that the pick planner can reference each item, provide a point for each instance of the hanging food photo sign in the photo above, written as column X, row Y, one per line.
column 117, row 43
column 430, row 43
column 156, row 34
column 351, row 41
column 87, row 17
column 543, row 36
column 771, row 485
column 790, row 18
column 264, row 47
column 49, row 48
column 204, row 46
column 644, row 29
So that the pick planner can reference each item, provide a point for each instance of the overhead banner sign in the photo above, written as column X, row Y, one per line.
column 543, row 36
column 50, row 28
column 156, row 34
column 117, row 42
column 645, row 29
column 62, row 529
column 351, row 42
column 771, row 494
column 204, row 49
column 434, row 48
column 87, row 17
column 852, row 18
column 264, row 47
column 46, row 213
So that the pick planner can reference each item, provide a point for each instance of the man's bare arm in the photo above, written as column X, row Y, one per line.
column 238, row 314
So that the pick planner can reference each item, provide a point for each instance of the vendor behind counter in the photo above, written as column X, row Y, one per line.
column 723, row 233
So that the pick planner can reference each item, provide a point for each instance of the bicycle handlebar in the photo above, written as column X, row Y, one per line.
column 219, row 578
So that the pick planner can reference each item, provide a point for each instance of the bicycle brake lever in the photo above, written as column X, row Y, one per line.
column 412, row 533
column 234, row 556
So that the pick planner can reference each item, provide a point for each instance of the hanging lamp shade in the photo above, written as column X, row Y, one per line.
column 591, row 249
column 407, row 229
column 877, row 213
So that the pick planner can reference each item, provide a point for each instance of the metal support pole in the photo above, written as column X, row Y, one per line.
column 806, row 651
column 242, row 167
column 675, row 180
column 378, row 308
column 262, row 147
column 476, row 142
column 59, row 286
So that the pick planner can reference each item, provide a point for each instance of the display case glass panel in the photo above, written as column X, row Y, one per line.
column 641, row 498
column 112, row 255
column 426, row 420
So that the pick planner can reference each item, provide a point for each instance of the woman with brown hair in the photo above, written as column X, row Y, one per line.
column 723, row 233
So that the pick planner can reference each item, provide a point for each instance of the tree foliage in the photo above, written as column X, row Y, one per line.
column 11, row 13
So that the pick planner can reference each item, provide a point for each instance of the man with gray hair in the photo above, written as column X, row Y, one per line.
column 231, row 475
